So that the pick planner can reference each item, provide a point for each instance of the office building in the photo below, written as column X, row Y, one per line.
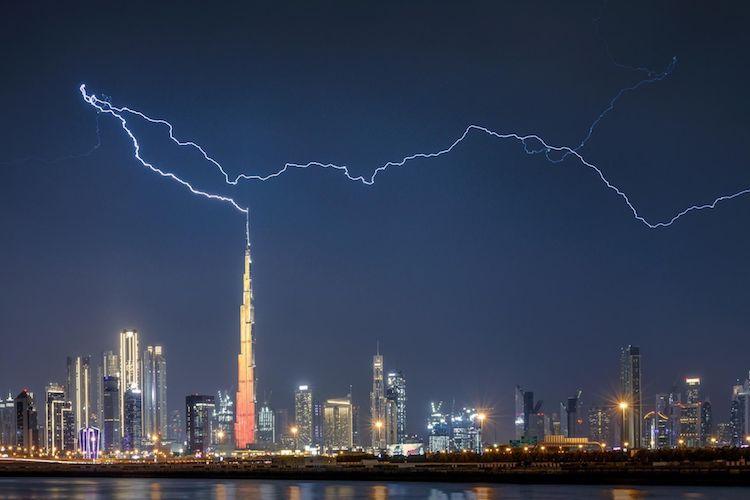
column 303, row 416
column 317, row 424
column 396, row 391
column 600, row 424
column 338, row 424
column 570, row 418
column 199, row 412
column 109, row 366
column 27, row 429
column 8, row 421
column 130, row 368
column 176, row 427
column 80, row 390
column 530, row 422
column 438, row 429
column 224, row 420
column 266, row 435
column 56, row 411
column 466, row 431
column 630, row 383
column 111, row 425
column 132, row 423
column 378, row 405
column 154, row 393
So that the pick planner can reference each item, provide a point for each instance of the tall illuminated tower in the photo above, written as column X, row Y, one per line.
column 244, row 426
column 130, row 367
column 79, row 390
column 378, row 404
column 154, row 393
column 630, row 379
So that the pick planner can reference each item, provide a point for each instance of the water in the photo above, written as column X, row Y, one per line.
column 156, row 489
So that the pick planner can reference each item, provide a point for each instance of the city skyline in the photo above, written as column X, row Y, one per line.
column 684, row 416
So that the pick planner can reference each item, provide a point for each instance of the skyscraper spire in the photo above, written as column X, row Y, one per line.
column 244, row 427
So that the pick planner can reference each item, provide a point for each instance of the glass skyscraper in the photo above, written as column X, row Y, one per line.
column 303, row 416
column 154, row 393
column 630, row 382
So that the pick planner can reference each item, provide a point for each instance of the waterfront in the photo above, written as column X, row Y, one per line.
column 165, row 488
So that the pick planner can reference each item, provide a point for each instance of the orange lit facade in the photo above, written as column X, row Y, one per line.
column 244, row 426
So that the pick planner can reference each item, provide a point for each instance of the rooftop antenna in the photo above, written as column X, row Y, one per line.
column 247, row 227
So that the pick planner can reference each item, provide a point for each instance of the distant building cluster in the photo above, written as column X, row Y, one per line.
column 116, row 404
column 681, row 417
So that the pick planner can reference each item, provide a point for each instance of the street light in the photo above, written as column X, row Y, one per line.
column 480, row 417
column 295, row 430
column 623, row 406
column 378, row 426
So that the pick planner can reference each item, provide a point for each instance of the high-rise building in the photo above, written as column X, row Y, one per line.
column 199, row 411
column 692, row 390
column 519, row 422
column 338, row 424
column 572, row 421
column 438, row 429
column 529, row 421
column 739, row 410
column 8, row 421
column 111, row 424
column 466, row 431
column 317, row 424
column 657, row 428
column 266, row 435
column 691, row 415
column 56, row 410
column 244, row 430
column 176, row 428
column 224, row 420
column 132, row 423
column 356, row 425
column 630, row 382
column 284, row 425
column 599, row 424
column 109, row 366
column 706, row 423
column 130, row 368
column 27, row 429
column 303, row 416
column 391, row 417
column 396, row 389
column 154, row 393
column 80, row 391
column 378, row 420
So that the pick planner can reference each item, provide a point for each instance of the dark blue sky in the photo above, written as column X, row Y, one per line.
column 475, row 271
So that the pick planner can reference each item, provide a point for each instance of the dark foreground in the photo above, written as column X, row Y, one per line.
column 163, row 489
column 698, row 474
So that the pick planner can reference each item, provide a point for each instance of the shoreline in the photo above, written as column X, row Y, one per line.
column 578, row 474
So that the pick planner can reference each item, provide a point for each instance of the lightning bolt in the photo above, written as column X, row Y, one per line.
column 527, row 141
column 103, row 106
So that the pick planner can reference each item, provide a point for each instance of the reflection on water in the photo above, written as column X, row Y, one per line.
column 167, row 489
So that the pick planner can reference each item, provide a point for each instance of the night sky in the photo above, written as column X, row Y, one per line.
column 476, row 271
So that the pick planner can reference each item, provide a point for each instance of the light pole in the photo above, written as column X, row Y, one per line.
column 623, row 406
column 295, row 430
column 480, row 417
column 378, row 426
